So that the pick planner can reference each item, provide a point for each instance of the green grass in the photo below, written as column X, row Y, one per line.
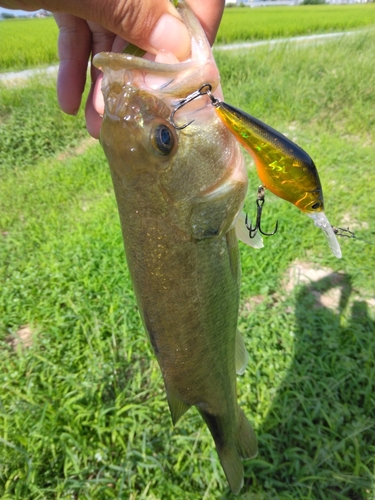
column 83, row 412
column 25, row 43
column 26, row 118
column 241, row 24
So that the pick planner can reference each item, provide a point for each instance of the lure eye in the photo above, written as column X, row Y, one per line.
column 163, row 140
column 316, row 205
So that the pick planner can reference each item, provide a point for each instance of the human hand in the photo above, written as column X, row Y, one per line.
column 91, row 26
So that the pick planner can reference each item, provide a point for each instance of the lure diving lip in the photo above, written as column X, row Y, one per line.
column 282, row 166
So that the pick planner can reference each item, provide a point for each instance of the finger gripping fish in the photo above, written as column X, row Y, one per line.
column 179, row 194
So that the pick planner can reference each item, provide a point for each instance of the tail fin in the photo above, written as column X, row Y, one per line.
column 243, row 445
column 246, row 439
column 232, row 464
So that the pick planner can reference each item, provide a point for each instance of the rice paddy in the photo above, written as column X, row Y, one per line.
column 241, row 24
column 26, row 43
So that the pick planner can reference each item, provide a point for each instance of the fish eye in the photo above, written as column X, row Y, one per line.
column 316, row 205
column 162, row 139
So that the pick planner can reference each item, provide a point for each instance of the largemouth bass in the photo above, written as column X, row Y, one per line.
column 179, row 194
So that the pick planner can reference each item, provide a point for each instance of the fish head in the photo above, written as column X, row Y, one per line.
column 159, row 168
column 136, row 134
column 144, row 148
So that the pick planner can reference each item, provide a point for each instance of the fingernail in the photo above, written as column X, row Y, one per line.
column 172, row 35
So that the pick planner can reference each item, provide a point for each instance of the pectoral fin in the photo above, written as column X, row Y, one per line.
column 242, row 356
column 243, row 233
column 176, row 405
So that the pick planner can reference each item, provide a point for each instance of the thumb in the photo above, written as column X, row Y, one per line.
column 150, row 24
column 154, row 26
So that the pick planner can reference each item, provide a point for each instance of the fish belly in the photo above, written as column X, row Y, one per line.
column 188, row 296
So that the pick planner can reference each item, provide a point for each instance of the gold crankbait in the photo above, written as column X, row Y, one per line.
column 282, row 166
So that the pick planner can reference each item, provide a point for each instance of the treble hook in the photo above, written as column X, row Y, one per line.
column 191, row 97
column 254, row 229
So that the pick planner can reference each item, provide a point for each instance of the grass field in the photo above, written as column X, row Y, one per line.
column 23, row 146
column 26, row 43
column 83, row 413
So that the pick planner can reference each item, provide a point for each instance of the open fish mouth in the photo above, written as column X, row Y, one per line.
column 167, row 81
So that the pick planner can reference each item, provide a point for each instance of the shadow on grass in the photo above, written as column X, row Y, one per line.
column 318, row 440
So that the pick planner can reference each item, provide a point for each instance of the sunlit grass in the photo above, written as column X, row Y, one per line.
column 27, row 117
column 83, row 412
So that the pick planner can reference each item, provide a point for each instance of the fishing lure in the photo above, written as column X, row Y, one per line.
column 282, row 166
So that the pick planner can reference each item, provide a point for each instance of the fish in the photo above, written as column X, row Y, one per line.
column 283, row 167
column 180, row 195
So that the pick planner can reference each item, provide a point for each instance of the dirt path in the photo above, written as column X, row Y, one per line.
column 296, row 39
column 15, row 77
